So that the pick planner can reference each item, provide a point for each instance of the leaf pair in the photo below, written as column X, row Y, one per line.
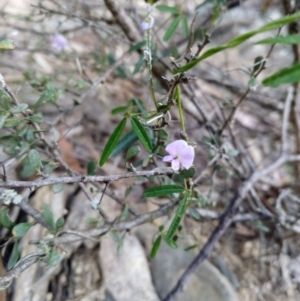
column 239, row 40
column 113, row 140
column 176, row 21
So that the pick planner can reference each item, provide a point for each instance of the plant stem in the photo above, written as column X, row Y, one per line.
column 179, row 104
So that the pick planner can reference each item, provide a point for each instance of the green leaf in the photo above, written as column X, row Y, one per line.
column 59, row 224
column 5, row 100
column 138, row 65
column 119, row 110
column 112, row 141
column 162, row 190
column 287, row 75
column 14, row 257
column 5, row 220
column 132, row 152
column 91, row 168
column 178, row 217
column 141, row 133
column 125, row 214
column 53, row 257
column 171, row 243
column 35, row 159
column 3, row 117
column 257, row 63
column 57, row 188
column 137, row 46
column 163, row 134
column 12, row 122
column 155, row 246
column 37, row 118
column 161, row 228
column 48, row 216
column 168, row 9
column 185, row 26
column 7, row 44
column 51, row 95
column 125, row 143
column 188, row 173
column 240, row 39
column 172, row 28
column 290, row 39
column 21, row 229
column 139, row 104
column 19, row 109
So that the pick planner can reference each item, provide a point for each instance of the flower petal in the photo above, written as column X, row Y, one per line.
column 168, row 158
column 176, row 147
column 175, row 164
column 187, row 156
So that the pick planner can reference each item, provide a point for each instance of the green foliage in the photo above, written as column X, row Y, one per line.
column 239, row 40
column 172, row 28
column 141, row 133
column 5, row 220
column 48, row 216
column 178, row 217
column 290, row 39
column 289, row 75
column 57, row 188
column 21, row 229
column 53, row 257
column 124, row 143
column 168, row 9
column 155, row 246
column 14, row 256
column 112, row 141
column 132, row 152
column 7, row 44
column 59, row 224
column 91, row 168
column 188, row 173
column 35, row 159
column 162, row 190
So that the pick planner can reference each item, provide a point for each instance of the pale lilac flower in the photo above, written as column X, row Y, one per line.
column 147, row 24
column 59, row 42
column 181, row 154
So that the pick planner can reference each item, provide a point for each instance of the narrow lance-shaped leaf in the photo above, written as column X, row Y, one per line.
column 239, row 40
column 162, row 190
column 172, row 28
column 112, row 141
column 168, row 9
column 141, row 133
column 178, row 217
column 155, row 247
column 124, row 143
column 290, row 39
column 185, row 26
column 287, row 75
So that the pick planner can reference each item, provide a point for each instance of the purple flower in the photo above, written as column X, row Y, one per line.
column 147, row 24
column 59, row 42
column 181, row 154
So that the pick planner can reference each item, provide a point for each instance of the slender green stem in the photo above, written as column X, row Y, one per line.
column 179, row 104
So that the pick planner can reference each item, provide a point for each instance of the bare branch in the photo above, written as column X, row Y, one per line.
column 86, row 179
